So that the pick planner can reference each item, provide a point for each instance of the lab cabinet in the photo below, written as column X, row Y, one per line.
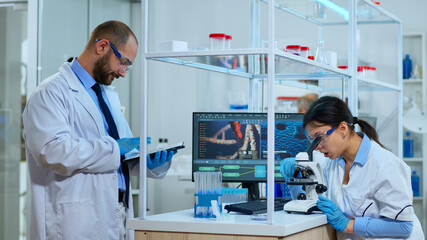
column 415, row 97
column 264, row 66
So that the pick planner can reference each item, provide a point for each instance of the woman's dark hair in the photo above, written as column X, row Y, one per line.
column 332, row 111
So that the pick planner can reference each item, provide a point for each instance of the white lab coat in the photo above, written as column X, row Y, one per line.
column 381, row 188
column 72, row 163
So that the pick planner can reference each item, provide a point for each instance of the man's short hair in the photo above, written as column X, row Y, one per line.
column 114, row 31
column 304, row 102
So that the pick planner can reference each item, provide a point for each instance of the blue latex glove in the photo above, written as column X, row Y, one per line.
column 334, row 215
column 287, row 167
column 127, row 144
column 160, row 158
column 148, row 143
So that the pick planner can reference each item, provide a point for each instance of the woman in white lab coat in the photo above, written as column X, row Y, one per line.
column 72, row 162
column 369, row 192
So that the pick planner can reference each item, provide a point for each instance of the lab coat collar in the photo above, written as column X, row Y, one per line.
column 362, row 153
column 85, row 78
column 71, row 78
column 82, row 96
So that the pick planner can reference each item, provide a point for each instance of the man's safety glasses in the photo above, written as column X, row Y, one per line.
column 125, row 63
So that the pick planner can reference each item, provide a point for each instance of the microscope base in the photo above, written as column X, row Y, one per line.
column 301, row 206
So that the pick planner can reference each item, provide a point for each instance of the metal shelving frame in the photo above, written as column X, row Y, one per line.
column 420, row 84
column 255, row 77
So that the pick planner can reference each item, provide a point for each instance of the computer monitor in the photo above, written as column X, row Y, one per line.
column 236, row 143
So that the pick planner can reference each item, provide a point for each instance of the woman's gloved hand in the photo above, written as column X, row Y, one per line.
column 334, row 215
column 287, row 167
column 128, row 144
column 160, row 158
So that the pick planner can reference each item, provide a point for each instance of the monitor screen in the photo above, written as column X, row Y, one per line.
column 236, row 144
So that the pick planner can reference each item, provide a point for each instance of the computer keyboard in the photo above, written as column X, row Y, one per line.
column 256, row 207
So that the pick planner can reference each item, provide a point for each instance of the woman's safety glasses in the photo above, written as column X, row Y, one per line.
column 323, row 137
column 125, row 63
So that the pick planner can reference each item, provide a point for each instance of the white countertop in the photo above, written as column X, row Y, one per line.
column 284, row 224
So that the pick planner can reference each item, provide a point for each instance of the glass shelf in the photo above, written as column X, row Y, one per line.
column 288, row 66
column 335, row 12
column 412, row 81
column 414, row 159
column 367, row 84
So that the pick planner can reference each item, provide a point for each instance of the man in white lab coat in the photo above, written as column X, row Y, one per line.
column 76, row 138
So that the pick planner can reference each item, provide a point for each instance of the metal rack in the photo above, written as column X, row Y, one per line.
column 342, row 12
column 416, row 45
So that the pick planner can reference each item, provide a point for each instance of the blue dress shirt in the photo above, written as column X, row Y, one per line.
column 87, row 81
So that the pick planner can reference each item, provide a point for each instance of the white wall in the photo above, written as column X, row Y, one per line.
column 411, row 12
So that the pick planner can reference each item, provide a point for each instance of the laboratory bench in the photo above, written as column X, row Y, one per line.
column 181, row 225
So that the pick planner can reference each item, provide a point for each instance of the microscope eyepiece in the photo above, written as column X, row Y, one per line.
column 312, row 146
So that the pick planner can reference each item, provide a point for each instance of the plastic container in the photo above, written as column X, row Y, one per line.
column 208, row 189
column 408, row 146
column 371, row 72
column 294, row 49
column 234, row 195
column 415, row 182
column 286, row 104
column 217, row 41
column 362, row 71
column 304, row 51
column 407, row 67
column 228, row 39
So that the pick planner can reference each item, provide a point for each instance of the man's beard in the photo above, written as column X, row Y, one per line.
column 101, row 70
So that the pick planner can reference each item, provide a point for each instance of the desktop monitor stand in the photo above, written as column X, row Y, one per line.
column 253, row 190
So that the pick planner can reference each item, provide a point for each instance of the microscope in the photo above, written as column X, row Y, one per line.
column 311, row 179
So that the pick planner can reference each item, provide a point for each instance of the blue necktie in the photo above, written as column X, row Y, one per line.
column 113, row 133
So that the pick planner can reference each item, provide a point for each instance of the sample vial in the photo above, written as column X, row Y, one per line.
column 217, row 41
column 294, row 49
column 228, row 41
column 371, row 72
column 304, row 51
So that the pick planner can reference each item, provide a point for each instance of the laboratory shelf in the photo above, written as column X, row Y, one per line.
column 291, row 66
column 412, row 81
column 290, row 70
column 415, row 159
column 203, row 53
column 369, row 84
column 204, row 66
column 337, row 11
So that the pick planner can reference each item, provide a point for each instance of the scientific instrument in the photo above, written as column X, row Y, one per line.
column 311, row 180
